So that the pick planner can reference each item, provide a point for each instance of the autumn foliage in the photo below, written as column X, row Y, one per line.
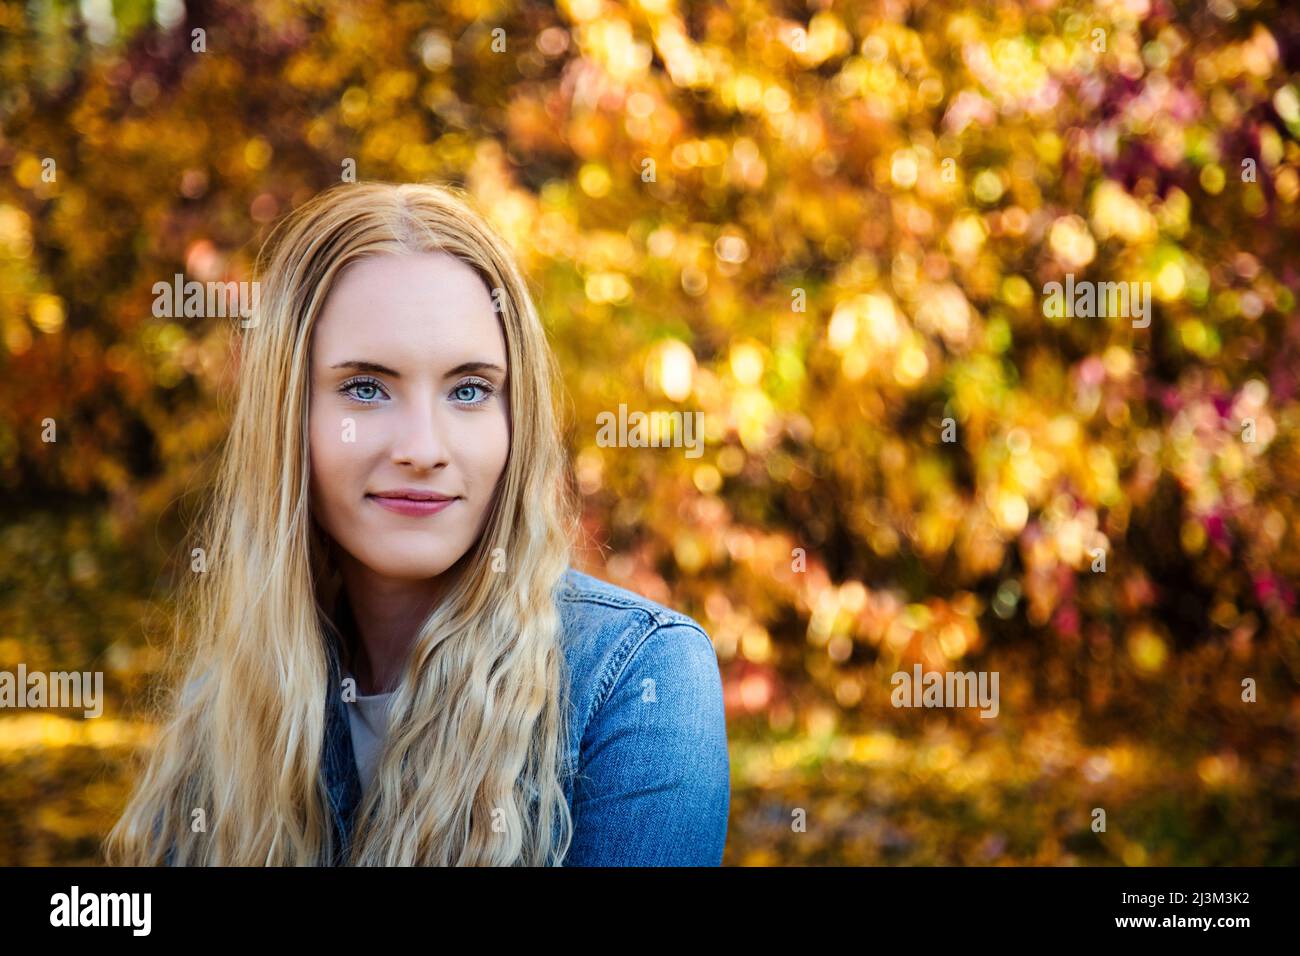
column 829, row 228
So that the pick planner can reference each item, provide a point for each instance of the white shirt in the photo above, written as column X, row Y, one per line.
column 368, row 718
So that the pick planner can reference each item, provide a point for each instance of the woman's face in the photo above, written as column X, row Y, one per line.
column 408, row 399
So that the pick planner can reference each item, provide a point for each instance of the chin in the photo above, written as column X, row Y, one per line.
column 411, row 568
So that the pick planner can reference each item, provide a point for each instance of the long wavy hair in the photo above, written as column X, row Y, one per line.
column 471, row 771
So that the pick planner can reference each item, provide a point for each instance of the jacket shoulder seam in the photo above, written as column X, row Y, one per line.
column 632, row 644
column 662, row 616
column 630, row 641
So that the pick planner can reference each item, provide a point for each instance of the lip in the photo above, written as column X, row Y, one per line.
column 412, row 502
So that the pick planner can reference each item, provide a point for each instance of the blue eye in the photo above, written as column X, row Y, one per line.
column 470, row 386
column 368, row 391
column 353, row 389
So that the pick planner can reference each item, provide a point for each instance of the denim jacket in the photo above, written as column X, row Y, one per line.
column 649, row 771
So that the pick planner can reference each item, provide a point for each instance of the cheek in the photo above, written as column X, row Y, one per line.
column 323, row 445
column 492, row 448
column 332, row 458
column 320, row 467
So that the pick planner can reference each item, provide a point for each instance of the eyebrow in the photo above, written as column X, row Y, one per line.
column 375, row 367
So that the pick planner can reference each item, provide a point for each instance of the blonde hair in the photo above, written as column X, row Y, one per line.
column 477, row 728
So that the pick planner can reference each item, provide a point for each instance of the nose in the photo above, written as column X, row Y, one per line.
column 419, row 443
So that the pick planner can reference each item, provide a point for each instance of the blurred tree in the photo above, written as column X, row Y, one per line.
column 832, row 232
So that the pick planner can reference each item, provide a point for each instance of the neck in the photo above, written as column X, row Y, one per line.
column 386, row 616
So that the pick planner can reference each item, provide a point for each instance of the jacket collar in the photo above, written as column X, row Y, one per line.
column 339, row 763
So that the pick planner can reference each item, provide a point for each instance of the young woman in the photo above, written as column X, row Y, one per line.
column 388, row 659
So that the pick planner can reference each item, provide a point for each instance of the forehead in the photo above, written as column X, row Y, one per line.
column 421, row 308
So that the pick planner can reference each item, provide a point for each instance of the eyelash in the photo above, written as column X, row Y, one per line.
column 486, row 386
column 346, row 390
